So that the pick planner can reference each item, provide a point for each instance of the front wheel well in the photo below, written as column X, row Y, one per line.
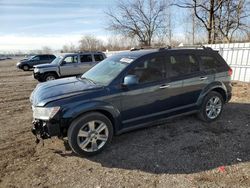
column 222, row 92
column 51, row 72
column 104, row 112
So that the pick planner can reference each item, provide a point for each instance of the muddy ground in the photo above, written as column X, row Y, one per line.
column 184, row 152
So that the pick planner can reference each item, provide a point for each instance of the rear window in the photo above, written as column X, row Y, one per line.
column 52, row 57
column 209, row 63
column 98, row 57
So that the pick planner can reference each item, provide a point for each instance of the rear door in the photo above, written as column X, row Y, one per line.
column 86, row 62
column 69, row 66
column 185, row 66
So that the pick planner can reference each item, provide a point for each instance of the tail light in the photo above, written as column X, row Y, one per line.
column 230, row 72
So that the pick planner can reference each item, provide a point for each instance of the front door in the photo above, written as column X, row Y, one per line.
column 69, row 66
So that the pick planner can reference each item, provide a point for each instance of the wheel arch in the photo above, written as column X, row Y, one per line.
column 51, row 72
column 215, row 86
column 108, row 110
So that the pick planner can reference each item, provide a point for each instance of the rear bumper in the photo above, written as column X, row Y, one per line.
column 45, row 129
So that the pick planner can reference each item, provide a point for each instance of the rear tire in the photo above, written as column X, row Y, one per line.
column 90, row 133
column 212, row 107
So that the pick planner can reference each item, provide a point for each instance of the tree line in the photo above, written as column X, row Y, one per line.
column 151, row 23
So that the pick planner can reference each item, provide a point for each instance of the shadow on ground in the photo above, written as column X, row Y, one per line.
column 183, row 145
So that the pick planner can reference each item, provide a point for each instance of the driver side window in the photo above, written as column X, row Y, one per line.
column 149, row 70
column 71, row 59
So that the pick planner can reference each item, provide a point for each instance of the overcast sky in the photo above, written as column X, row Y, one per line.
column 31, row 24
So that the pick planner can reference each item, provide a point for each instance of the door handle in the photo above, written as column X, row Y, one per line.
column 203, row 78
column 164, row 86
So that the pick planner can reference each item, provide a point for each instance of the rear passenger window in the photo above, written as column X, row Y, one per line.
column 44, row 57
column 181, row 64
column 51, row 57
column 86, row 58
column 209, row 62
column 149, row 70
column 98, row 57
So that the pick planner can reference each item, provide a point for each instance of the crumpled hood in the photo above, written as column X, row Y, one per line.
column 61, row 88
column 45, row 65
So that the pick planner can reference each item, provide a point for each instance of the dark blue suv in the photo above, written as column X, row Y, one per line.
column 131, row 90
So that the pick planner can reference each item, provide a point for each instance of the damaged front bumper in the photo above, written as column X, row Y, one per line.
column 45, row 129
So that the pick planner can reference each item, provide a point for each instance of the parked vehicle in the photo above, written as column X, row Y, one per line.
column 68, row 65
column 29, row 63
column 131, row 90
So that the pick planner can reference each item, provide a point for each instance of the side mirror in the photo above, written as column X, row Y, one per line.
column 130, row 80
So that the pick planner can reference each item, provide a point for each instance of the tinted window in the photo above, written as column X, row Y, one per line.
column 181, row 64
column 149, row 70
column 52, row 57
column 209, row 62
column 44, row 57
column 86, row 58
column 36, row 58
column 71, row 59
column 98, row 57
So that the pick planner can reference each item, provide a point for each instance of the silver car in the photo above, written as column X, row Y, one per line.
column 67, row 65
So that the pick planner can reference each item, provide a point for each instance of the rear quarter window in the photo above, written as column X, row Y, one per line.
column 211, row 63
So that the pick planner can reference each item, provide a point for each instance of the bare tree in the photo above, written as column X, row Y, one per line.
column 204, row 11
column 230, row 18
column 219, row 17
column 139, row 18
column 90, row 43
column 46, row 50
column 69, row 48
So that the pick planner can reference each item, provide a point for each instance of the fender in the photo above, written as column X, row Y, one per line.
column 210, row 87
column 75, row 111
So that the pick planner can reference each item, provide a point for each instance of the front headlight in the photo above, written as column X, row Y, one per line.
column 36, row 70
column 45, row 113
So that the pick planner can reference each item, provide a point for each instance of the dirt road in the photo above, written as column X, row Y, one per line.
column 184, row 152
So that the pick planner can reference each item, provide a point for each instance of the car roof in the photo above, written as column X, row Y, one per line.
column 141, row 52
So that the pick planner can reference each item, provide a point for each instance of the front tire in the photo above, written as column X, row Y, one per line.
column 212, row 107
column 89, row 134
column 49, row 76
column 26, row 67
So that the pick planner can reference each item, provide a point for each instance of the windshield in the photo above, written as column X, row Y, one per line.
column 57, row 60
column 105, row 71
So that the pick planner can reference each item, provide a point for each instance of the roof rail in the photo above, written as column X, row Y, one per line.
column 194, row 46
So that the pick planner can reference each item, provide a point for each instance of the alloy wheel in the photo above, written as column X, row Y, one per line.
column 92, row 136
column 213, row 107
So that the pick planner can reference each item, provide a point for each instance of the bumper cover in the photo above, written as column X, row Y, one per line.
column 44, row 130
column 38, row 76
